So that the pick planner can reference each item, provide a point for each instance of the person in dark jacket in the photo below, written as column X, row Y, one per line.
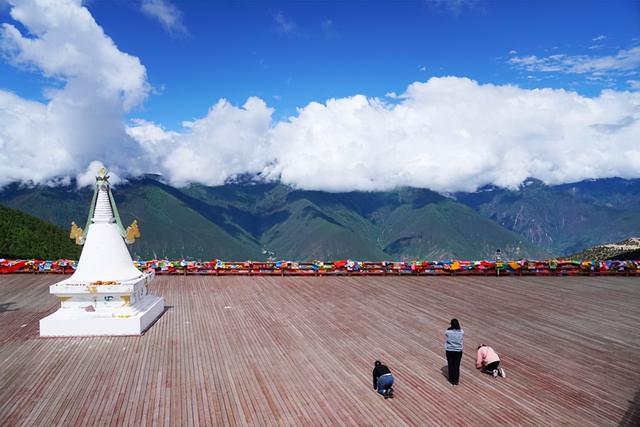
column 453, row 347
column 382, row 379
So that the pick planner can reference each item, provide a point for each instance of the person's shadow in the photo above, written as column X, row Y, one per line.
column 632, row 416
column 5, row 307
column 445, row 372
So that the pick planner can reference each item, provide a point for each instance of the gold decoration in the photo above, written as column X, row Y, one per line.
column 133, row 232
column 93, row 287
column 127, row 300
column 76, row 234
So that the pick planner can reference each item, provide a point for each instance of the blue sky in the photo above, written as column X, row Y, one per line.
column 292, row 53
column 331, row 95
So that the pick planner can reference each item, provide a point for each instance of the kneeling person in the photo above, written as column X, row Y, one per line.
column 382, row 379
column 489, row 361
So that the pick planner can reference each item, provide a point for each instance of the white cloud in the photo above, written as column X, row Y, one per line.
column 68, row 44
column 634, row 84
column 623, row 60
column 88, row 177
column 82, row 120
column 166, row 13
column 154, row 141
column 283, row 24
column 228, row 141
column 446, row 134
column 29, row 151
column 454, row 6
column 599, row 38
column 454, row 134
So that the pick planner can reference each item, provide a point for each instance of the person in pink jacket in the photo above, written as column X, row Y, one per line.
column 489, row 361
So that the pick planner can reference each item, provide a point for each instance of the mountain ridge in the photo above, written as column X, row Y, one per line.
column 256, row 220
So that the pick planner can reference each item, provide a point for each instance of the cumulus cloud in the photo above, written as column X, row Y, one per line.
column 447, row 134
column 228, row 141
column 166, row 13
column 455, row 134
column 88, row 177
column 97, row 85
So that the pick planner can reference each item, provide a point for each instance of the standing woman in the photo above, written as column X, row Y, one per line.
column 453, row 346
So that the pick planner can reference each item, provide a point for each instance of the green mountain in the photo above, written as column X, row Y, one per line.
column 401, row 224
column 25, row 236
column 255, row 221
column 564, row 219
column 170, row 226
column 240, row 221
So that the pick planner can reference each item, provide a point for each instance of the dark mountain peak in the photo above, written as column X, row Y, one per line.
column 603, row 184
column 419, row 197
column 488, row 188
column 531, row 183
column 154, row 177
column 246, row 179
column 366, row 203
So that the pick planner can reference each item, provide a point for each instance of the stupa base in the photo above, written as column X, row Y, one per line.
column 133, row 320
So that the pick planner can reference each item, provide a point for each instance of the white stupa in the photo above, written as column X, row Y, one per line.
column 107, row 294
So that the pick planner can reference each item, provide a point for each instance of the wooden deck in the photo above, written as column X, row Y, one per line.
column 299, row 351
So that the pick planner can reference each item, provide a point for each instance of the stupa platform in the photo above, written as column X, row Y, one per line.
column 124, row 308
column 133, row 320
column 299, row 351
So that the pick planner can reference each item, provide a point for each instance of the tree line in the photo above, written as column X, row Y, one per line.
column 24, row 236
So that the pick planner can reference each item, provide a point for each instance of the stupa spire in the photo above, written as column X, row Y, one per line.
column 103, row 210
column 105, row 256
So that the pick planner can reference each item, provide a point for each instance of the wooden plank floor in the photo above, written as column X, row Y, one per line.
column 299, row 351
